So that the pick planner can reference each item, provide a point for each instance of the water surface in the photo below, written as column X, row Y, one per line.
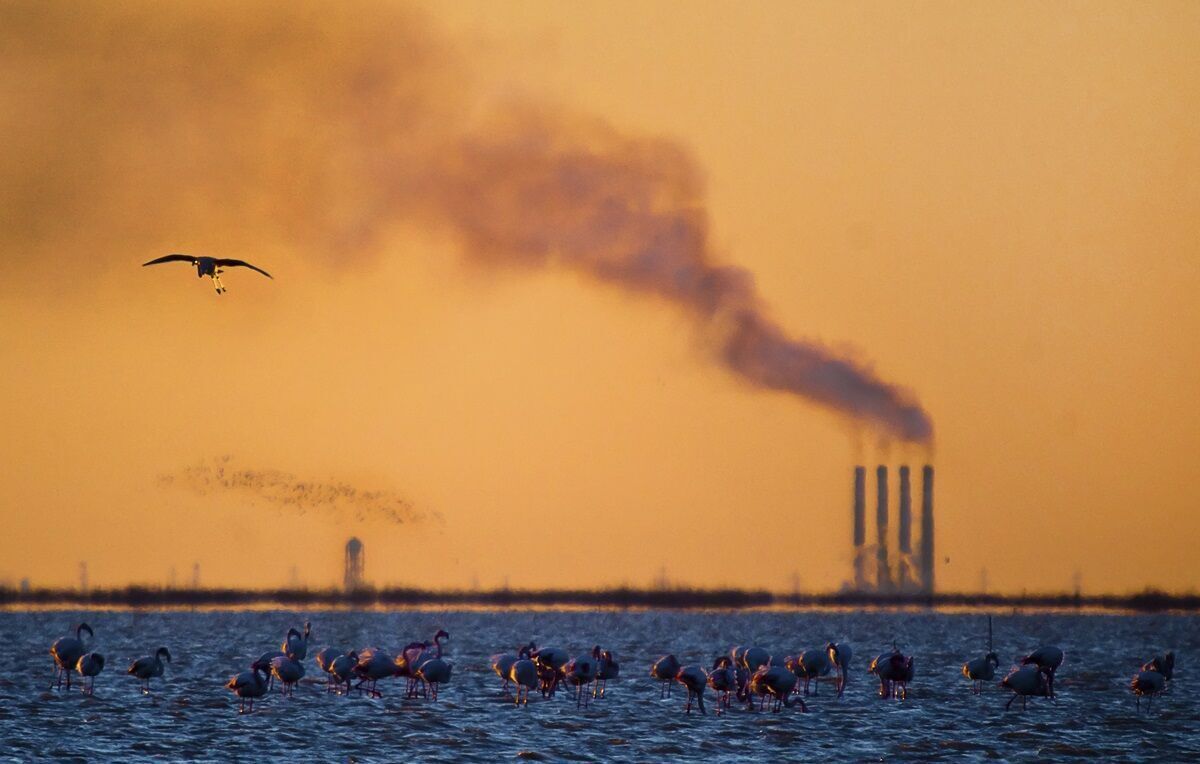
column 191, row 715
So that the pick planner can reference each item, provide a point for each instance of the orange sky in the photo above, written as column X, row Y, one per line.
column 992, row 207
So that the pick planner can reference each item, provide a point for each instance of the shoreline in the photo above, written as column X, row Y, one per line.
column 620, row 598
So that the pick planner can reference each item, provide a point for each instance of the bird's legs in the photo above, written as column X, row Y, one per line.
column 216, row 277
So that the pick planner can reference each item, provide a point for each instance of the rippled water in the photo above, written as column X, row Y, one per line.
column 191, row 715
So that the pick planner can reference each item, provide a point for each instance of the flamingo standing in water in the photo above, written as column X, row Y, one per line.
column 433, row 673
column 606, row 668
column 407, row 662
column 980, row 670
column 579, row 672
column 287, row 671
column 341, row 671
column 1049, row 658
column 152, row 665
column 778, row 683
column 1026, row 682
column 67, row 651
column 695, row 680
column 524, row 675
column 373, row 664
column 502, row 664
column 840, row 654
column 1147, row 684
column 812, row 664
column 295, row 644
column 723, row 680
column 325, row 658
column 893, row 669
column 248, row 685
column 550, row 662
column 88, row 666
column 665, row 669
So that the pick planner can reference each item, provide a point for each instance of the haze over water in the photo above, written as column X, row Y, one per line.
column 191, row 715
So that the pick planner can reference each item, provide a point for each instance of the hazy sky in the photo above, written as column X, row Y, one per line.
column 980, row 214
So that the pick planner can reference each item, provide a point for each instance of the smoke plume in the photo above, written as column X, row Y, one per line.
column 284, row 491
column 319, row 128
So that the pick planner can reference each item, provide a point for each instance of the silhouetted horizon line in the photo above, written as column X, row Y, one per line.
column 1149, row 599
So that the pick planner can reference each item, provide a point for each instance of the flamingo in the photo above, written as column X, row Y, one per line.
column 840, row 654
column 502, row 664
column 1146, row 683
column 1046, row 657
column 67, row 651
column 1027, row 681
column 88, row 666
column 248, row 685
column 434, row 673
column 777, row 682
column 665, row 670
column 287, row 671
column 325, row 658
column 751, row 658
column 523, row 674
column 208, row 266
column 694, row 679
column 265, row 659
column 341, row 670
column 606, row 668
column 550, row 662
column 723, row 680
column 413, row 664
column 144, row 668
column 373, row 665
column 980, row 670
column 893, row 669
column 579, row 672
column 410, row 658
column 813, row 664
column 295, row 644
column 1163, row 664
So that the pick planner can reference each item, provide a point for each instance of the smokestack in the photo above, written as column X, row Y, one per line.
column 927, row 529
column 860, row 525
column 905, row 564
column 883, row 573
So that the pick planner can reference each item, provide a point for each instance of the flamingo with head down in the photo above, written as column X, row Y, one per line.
column 249, row 685
column 665, row 669
column 840, row 654
column 88, row 666
column 778, row 683
column 695, row 680
column 606, row 668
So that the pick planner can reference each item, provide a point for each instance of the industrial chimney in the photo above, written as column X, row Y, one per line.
column 860, row 526
column 904, row 566
column 883, row 573
column 927, row 530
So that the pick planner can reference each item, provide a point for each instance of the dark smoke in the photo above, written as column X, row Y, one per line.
column 317, row 128
column 285, row 491
column 539, row 188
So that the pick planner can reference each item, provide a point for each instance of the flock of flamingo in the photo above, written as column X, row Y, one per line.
column 745, row 674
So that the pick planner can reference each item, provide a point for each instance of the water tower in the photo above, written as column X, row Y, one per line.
column 355, row 561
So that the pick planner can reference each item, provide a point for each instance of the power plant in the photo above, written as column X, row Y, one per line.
column 893, row 572
column 355, row 565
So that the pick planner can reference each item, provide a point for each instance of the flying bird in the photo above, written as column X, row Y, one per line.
column 208, row 266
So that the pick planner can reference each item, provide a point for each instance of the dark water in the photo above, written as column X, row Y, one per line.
column 192, row 716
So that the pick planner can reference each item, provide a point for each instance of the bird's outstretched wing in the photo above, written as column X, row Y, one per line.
column 171, row 259
column 244, row 264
